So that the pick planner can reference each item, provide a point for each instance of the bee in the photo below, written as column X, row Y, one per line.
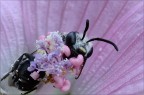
column 79, row 45
column 20, row 76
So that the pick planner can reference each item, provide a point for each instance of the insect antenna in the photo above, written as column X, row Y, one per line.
column 86, row 28
column 104, row 40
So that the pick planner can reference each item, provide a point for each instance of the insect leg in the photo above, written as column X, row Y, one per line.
column 33, row 52
column 14, row 67
column 6, row 75
column 29, row 91
column 81, row 70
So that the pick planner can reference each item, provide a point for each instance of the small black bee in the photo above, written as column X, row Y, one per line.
column 20, row 76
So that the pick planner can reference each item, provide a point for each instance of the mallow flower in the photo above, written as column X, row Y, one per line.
column 106, row 72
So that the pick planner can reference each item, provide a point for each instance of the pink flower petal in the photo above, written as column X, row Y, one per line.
column 107, row 72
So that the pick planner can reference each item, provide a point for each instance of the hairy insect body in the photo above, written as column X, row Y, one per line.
column 57, row 55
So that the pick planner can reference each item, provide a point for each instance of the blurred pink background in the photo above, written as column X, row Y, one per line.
column 107, row 72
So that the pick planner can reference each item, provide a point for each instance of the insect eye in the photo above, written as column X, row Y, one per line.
column 81, row 50
column 70, row 38
column 89, row 53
